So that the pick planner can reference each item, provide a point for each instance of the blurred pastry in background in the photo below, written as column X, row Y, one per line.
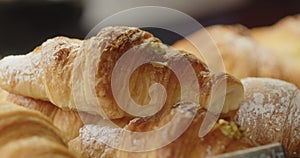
column 282, row 38
column 244, row 56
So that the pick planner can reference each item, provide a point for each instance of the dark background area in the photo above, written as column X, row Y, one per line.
column 26, row 25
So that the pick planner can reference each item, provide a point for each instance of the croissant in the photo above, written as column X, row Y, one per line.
column 224, row 137
column 75, row 144
column 24, row 133
column 51, row 71
column 3, row 95
column 283, row 37
column 67, row 121
column 271, row 113
column 243, row 56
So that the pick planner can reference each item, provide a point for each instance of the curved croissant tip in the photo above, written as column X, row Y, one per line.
column 226, row 94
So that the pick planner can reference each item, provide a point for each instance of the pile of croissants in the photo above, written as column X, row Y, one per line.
column 47, row 108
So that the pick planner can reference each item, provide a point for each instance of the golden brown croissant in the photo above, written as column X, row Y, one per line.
column 24, row 133
column 3, row 95
column 224, row 137
column 38, row 147
column 51, row 72
column 68, row 122
column 243, row 56
column 271, row 113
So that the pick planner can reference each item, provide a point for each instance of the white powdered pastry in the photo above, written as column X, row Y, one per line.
column 270, row 113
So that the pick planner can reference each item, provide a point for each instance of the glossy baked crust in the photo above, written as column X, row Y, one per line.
column 53, row 69
column 26, row 133
column 223, row 138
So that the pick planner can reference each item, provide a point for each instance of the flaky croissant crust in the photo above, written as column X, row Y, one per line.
column 52, row 71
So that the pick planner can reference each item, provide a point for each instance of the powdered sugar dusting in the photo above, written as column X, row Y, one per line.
column 99, row 134
column 294, row 129
column 258, row 98
column 17, row 74
column 268, row 111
